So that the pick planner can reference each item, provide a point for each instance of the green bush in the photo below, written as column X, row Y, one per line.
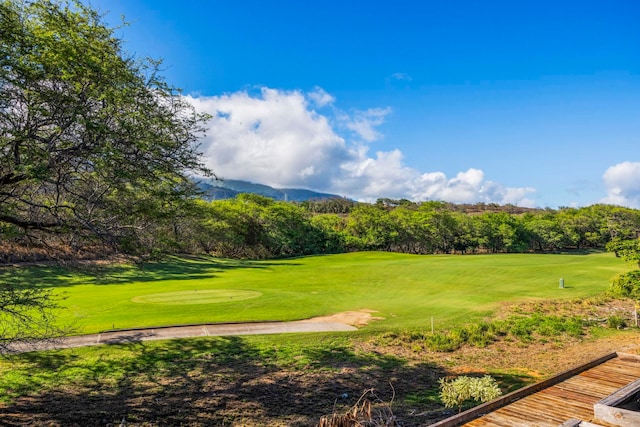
column 524, row 328
column 455, row 392
column 481, row 334
column 616, row 322
column 448, row 341
column 626, row 285
column 520, row 328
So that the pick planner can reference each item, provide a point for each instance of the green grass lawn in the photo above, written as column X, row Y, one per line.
column 405, row 289
column 139, row 381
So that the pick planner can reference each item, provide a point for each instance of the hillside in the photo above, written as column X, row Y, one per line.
column 229, row 188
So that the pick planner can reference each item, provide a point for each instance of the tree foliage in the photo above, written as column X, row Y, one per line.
column 95, row 146
column 91, row 140
column 628, row 250
column 251, row 226
column 27, row 317
column 626, row 285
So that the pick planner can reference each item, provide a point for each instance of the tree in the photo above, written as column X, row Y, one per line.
column 626, row 284
column 411, row 234
column 94, row 145
column 466, row 233
column 92, row 142
column 444, row 227
column 27, row 317
column 499, row 232
column 628, row 250
column 370, row 227
column 544, row 233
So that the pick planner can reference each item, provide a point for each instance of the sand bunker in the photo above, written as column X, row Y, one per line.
column 353, row 318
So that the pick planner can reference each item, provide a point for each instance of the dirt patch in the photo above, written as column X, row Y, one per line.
column 353, row 318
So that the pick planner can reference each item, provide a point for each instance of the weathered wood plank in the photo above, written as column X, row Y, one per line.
column 624, row 367
column 572, row 396
column 556, row 394
column 613, row 373
column 531, row 412
column 594, row 391
column 624, row 393
column 616, row 416
column 494, row 420
column 614, row 379
column 488, row 407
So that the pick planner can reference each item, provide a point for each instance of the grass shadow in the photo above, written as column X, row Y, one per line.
column 207, row 381
column 172, row 268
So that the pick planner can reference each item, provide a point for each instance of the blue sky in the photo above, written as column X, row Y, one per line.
column 535, row 103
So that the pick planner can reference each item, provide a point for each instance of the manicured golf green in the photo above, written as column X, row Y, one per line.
column 207, row 296
column 407, row 290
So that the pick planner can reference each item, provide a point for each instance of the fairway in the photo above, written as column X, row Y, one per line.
column 406, row 290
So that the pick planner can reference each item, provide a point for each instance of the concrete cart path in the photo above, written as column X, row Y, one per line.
column 163, row 333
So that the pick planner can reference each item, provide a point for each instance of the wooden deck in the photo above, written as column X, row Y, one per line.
column 551, row 403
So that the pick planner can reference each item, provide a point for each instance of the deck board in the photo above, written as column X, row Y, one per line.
column 571, row 398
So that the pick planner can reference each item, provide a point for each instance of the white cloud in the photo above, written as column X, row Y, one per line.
column 401, row 76
column 320, row 97
column 275, row 137
column 364, row 123
column 623, row 184
column 370, row 178
column 468, row 187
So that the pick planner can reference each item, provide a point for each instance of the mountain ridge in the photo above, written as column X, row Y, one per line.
column 217, row 189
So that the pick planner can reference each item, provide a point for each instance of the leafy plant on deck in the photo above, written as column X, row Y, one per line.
column 463, row 388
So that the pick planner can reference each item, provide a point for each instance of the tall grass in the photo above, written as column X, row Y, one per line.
column 523, row 328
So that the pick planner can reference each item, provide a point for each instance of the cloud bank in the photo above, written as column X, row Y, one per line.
column 623, row 184
column 296, row 139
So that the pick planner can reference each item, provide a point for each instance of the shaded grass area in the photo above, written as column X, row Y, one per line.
column 405, row 289
column 290, row 379
column 172, row 268
column 219, row 381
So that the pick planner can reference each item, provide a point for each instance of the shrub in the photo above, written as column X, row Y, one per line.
column 449, row 341
column 524, row 328
column 520, row 328
column 626, row 285
column 455, row 392
column 481, row 334
column 616, row 322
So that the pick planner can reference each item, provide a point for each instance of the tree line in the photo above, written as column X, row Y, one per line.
column 256, row 227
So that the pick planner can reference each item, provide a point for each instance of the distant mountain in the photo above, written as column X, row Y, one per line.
column 229, row 188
